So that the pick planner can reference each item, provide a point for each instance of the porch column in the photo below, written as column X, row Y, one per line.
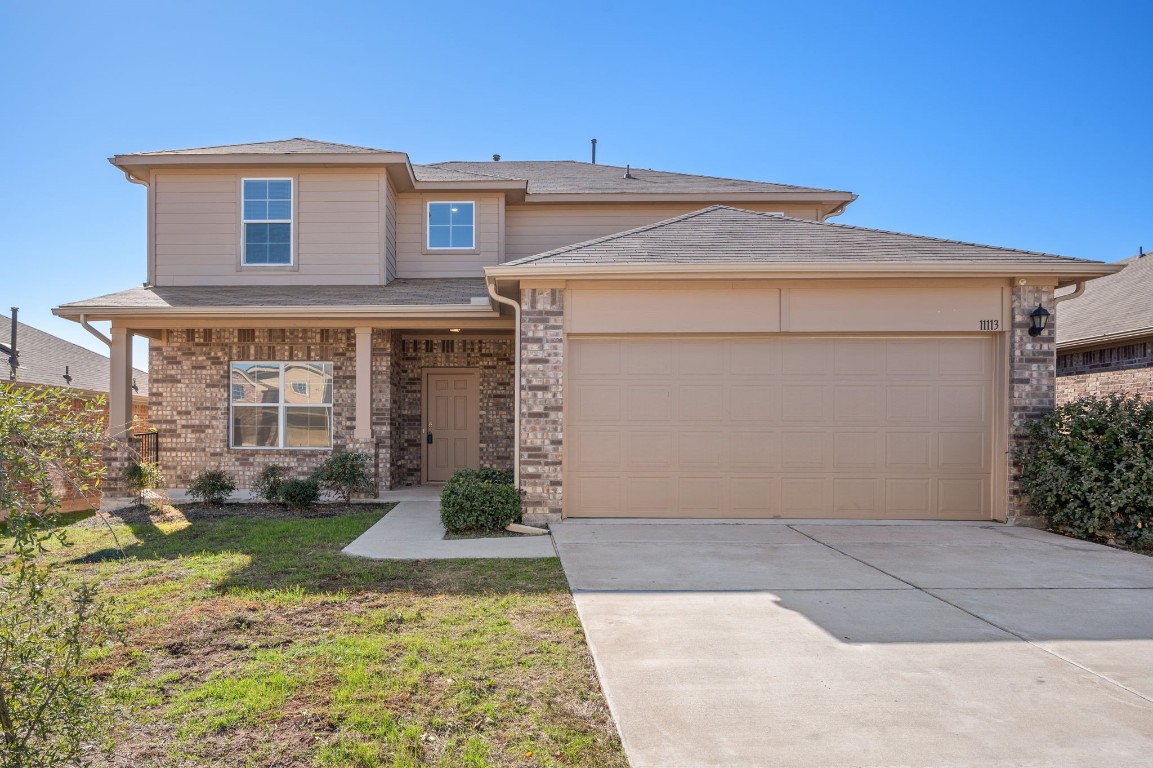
column 120, row 382
column 363, row 429
column 541, row 403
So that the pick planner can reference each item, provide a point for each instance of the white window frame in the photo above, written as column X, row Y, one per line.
column 428, row 225
column 282, row 411
column 244, row 262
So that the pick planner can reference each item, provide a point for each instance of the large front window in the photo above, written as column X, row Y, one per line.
column 451, row 225
column 267, row 222
column 281, row 405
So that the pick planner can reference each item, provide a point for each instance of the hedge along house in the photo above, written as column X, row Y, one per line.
column 632, row 343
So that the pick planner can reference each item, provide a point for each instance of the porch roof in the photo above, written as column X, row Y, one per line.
column 404, row 295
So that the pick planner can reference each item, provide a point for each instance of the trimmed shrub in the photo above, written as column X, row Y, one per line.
column 300, row 494
column 345, row 473
column 141, row 476
column 1088, row 469
column 479, row 500
column 267, row 485
column 212, row 486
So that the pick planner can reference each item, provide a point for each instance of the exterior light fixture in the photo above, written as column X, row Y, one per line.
column 1039, row 317
column 135, row 386
column 454, row 330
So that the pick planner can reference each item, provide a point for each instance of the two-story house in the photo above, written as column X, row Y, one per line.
column 632, row 342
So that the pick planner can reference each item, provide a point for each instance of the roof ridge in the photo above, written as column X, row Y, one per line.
column 618, row 235
column 255, row 143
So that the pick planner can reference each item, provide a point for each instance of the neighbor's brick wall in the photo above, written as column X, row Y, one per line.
column 1124, row 369
column 1032, row 378
column 542, row 404
column 189, row 398
column 493, row 357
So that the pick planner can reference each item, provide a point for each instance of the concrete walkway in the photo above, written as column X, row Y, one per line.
column 810, row 645
column 412, row 531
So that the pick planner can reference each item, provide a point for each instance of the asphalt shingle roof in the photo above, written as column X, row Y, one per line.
column 1120, row 303
column 570, row 176
column 44, row 356
column 721, row 234
column 401, row 292
column 282, row 147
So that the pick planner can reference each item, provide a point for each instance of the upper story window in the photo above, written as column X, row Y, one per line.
column 281, row 404
column 451, row 225
column 267, row 222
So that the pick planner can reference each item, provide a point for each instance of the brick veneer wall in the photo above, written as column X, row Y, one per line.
column 542, row 404
column 1032, row 379
column 493, row 357
column 189, row 398
column 1121, row 369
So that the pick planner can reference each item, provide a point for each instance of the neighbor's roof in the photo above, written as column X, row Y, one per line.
column 401, row 293
column 43, row 358
column 1117, row 306
column 721, row 235
column 282, row 147
column 569, row 177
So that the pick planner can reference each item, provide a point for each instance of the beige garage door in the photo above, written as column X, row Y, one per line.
column 779, row 427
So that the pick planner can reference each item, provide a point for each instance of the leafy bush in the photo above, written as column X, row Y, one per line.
column 300, row 494
column 141, row 476
column 1088, row 469
column 479, row 500
column 267, row 485
column 212, row 486
column 346, row 473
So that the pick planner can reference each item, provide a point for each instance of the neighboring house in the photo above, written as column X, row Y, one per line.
column 49, row 361
column 631, row 342
column 1105, row 337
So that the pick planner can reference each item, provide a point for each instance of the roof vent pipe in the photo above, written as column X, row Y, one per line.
column 628, row 173
column 594, row 151
column 13, row 354
column 1140, row 251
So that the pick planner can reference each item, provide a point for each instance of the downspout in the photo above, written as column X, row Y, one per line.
column 490, row 283
column 84, row 324
column 1076, row 292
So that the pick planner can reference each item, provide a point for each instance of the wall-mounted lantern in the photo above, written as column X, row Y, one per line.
column 1039, row 317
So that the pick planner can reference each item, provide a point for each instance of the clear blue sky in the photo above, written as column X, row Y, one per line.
column 1019, row 124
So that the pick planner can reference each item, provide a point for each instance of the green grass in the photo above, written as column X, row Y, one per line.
column 254, row 642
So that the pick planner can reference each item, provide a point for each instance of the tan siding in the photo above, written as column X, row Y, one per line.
column 414, row 260
column 338, row 228
column 536, row 228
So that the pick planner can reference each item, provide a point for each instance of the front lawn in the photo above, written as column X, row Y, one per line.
column 253, row 642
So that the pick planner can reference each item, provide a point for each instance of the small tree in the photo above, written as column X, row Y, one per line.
column 141, row 476
column 51, row 713
column 345, row 473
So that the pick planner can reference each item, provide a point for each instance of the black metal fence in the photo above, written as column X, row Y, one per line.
column 147, row 446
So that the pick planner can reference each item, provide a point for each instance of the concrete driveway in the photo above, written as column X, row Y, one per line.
column 847, row 644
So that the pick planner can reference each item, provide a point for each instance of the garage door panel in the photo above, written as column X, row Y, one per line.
column 780, row 427
column 597, row 402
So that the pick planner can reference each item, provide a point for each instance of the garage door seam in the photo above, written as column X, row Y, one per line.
column 982, row 619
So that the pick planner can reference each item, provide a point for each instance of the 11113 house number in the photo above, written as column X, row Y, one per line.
column 990, row 325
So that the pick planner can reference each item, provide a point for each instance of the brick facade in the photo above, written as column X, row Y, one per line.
column 1121, row 369
column 189, row 377
column 1032, row 379
column 542, row 404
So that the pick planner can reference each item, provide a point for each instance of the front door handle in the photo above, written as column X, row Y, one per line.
column 429, row 433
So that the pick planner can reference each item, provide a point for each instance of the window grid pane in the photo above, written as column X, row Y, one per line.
column 267, row 211
column 281, row 404
column 451, row 225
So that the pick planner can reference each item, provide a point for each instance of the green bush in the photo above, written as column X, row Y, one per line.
column 345, row 473
column 212, row 486
column 141, row 476
column 267, row 485
column 1088, row 469
column 479, row 500
column 301, row 494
